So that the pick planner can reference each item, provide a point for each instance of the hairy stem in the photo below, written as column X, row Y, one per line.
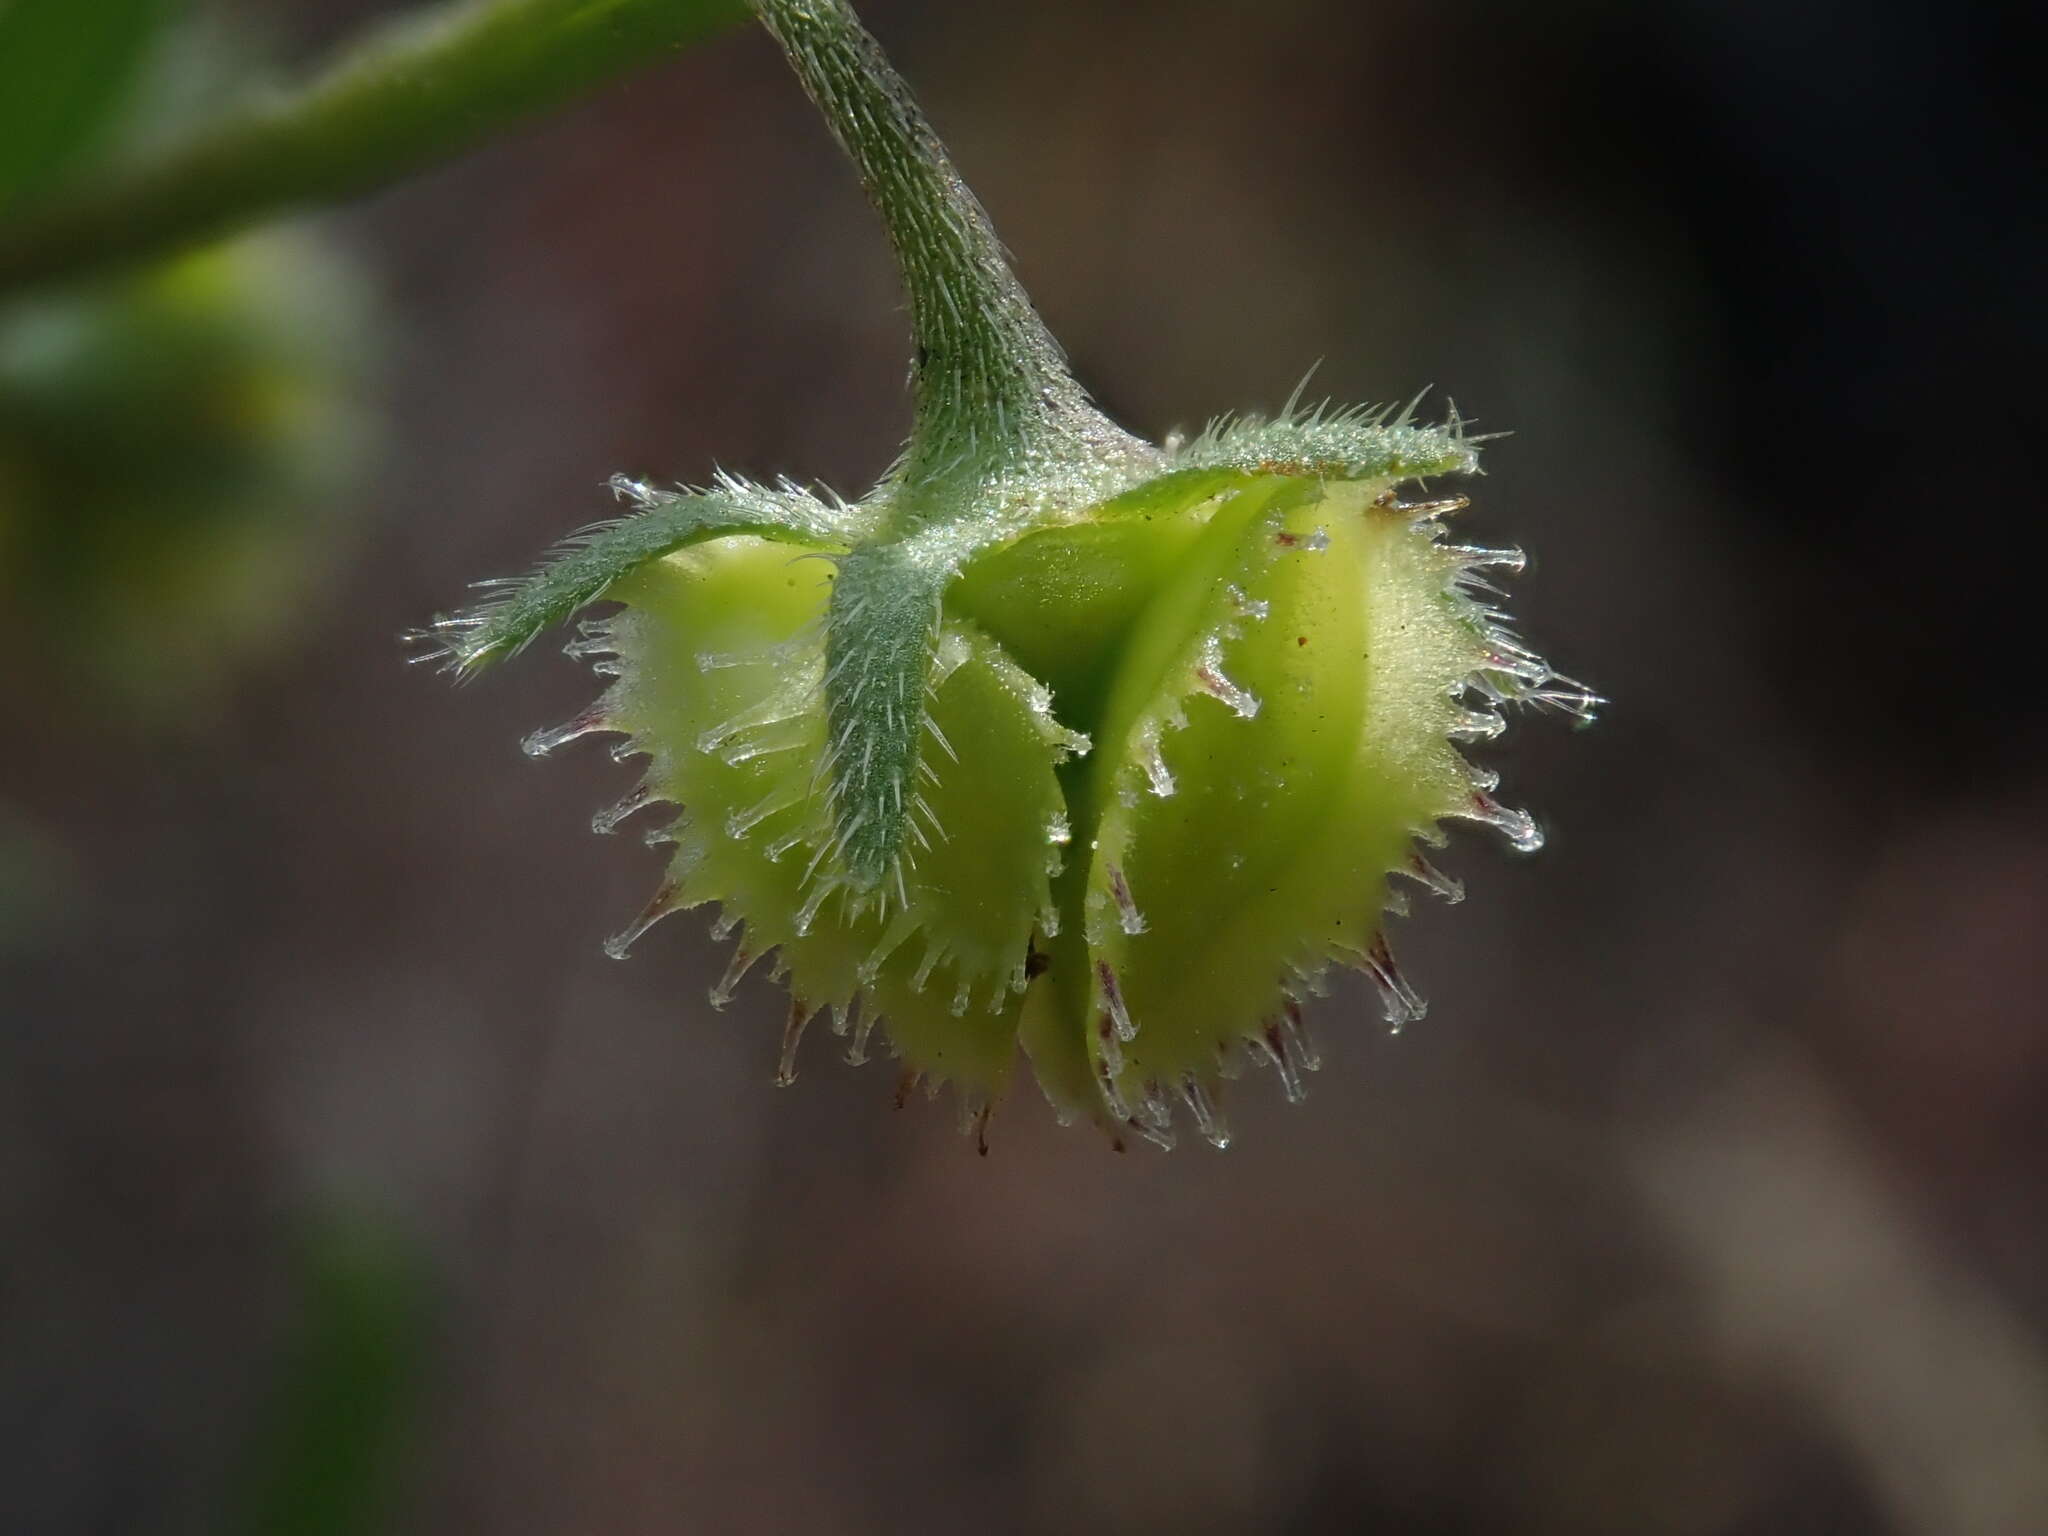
column 989, row 381
column 419, row 91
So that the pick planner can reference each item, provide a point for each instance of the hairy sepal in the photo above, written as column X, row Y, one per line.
column 583, row 567
column 1362, row 444
column 881, row 631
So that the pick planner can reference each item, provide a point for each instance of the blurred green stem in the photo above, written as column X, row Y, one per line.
column 418, row 91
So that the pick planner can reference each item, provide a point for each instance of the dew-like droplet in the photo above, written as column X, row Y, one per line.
column 606, row 821
column 1474, row 725
column 975, row 1111
column 744, row 820
column 736, row 968
column 1511, row 560
column 1108, row 1051
column 1106, row 1074
column 1311, row 980
column 1113, row 1000
column 1518, row 827
column 1509, row 660
column 1129, row 918
column 664, row 902
column 765, row 741
column 1152, row 760
column 1400, row 1003
column 1155, row 1106
column 1162, row 1139
column 1248, row 607
column 540, row 743
column 1420, row 869
column 798, row 652
column 1202, row 1105
column 639, row 492
column 807, row 914
column 792, row 1037
column 773, row 710
column 864, row 1017
column 1420, row 511
column 1270, row 1046
column 1567, row 697
column 1212, row 680
column 1301, row 1046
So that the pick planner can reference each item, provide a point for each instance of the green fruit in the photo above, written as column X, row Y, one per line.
column 1173, row 748
column 172, row 447
column 1057, row 739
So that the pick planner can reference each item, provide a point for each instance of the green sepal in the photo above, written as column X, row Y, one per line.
column 879, row 637
column 583, row 567
column 1343, row 443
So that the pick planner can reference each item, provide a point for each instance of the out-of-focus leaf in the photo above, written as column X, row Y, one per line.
column 177, row 455
column 418, row 89
column 332, row 1457
column 66, row 69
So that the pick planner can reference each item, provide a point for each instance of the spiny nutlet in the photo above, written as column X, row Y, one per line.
column 1057, row 738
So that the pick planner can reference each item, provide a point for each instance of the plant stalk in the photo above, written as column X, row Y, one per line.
column 416, row 92
column 990, row 384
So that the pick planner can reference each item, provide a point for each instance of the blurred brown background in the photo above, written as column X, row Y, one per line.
column 347, row 1186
